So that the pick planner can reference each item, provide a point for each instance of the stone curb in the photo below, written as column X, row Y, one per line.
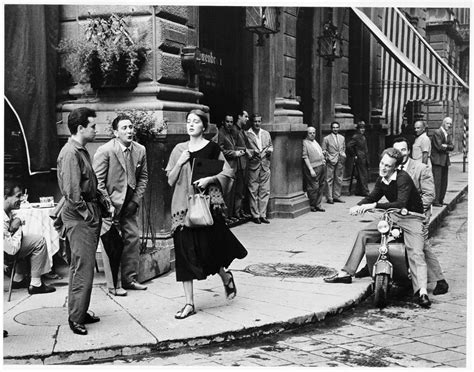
column 107, row 354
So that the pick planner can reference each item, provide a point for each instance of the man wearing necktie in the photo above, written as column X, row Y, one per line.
column 122, row 175
column 441, row 145
column 334, row 146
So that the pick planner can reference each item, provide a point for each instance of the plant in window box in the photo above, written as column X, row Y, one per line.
column 147, row 128
column 107, row 56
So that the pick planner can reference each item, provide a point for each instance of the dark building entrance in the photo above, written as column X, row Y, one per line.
column 222, row 80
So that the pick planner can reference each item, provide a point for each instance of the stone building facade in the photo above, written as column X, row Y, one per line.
column 205, row 57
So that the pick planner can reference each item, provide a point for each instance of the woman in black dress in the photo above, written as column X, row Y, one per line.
column 206, row 250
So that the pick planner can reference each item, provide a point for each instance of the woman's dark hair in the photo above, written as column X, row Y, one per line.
column 78, row 117
column 118, row 119
column 202, row 115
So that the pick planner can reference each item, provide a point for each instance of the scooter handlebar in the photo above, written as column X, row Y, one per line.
column 402, row 211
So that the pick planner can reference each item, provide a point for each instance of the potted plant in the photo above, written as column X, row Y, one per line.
column 107, row 56
column 147, row 128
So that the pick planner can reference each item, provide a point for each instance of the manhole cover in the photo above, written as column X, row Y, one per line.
column 45, row 316
column 290, row 270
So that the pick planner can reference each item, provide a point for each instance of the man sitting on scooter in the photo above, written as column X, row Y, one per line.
column 400, row 191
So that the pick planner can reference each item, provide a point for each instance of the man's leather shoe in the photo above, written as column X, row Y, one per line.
column 77, row 328
column 21, row 284
column 330, row 201
column 89, row 319
column 339, row 279
column 424, row 301
column 43, row 288
column 441, row 287
column 264, row 220
column 256, row 220
column 362, row 273
column 136, row 286
column 319, row 209
column 339, row 201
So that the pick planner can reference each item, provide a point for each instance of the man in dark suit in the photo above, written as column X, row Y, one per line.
column 121, row 169
column 81, row 214
column 400, row 191
column 357, row 147
column 441, row 145
column 241, row 197
column 228, row 144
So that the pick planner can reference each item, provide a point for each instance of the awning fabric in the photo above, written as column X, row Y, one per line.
column 31, row 35
column 411, row 68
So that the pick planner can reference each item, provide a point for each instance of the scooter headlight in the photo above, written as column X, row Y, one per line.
column 396, row 233
column 383, row 227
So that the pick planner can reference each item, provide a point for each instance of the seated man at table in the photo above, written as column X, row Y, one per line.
column 32, row 247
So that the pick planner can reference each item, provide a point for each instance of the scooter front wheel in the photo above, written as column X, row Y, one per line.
column 381, row 290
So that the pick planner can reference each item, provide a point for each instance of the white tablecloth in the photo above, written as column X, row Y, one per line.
column 37, row 221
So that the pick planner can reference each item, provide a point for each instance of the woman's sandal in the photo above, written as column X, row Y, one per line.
column 230, row 289
column 182, row 315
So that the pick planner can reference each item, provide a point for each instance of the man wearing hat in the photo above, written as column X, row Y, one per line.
column 357, row 147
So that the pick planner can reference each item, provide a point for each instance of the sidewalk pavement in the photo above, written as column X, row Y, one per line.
column 144, row 321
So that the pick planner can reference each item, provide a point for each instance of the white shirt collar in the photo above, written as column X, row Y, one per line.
column 393, row 177
column 123, row 148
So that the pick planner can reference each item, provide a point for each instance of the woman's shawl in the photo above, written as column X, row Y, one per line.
column 183, row 186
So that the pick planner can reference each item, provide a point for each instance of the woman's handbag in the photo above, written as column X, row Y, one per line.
column 199, row 212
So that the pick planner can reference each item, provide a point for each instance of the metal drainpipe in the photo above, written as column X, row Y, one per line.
column 154, row 47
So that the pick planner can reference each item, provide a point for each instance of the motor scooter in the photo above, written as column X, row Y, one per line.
column 387, row 261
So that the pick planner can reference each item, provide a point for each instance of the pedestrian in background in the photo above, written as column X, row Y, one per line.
column 422, row 145
column 200, row 251
column 241, row 192
column 261, row 149
column 357, row 147
column 314, row 170
column 80, row 215
column 121, row 169
column 232, row 154
column 441, row 145
column 334, row 145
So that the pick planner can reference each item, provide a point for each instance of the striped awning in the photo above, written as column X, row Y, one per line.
column 411, row 68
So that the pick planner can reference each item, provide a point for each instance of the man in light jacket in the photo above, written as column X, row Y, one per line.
column 334, row 146
column 261, row 149
column 122, row 175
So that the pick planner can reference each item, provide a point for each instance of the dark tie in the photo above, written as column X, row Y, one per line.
column 401, row 167
column 130, row 171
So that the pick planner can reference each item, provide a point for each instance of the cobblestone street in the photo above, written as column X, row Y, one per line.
column 401, row 335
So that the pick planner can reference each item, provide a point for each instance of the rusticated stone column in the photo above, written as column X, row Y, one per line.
column 162, row 89
column 276, row 61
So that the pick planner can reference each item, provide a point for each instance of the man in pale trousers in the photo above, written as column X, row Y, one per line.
column 424, row 183
column 334, row 145
column 260, row 148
